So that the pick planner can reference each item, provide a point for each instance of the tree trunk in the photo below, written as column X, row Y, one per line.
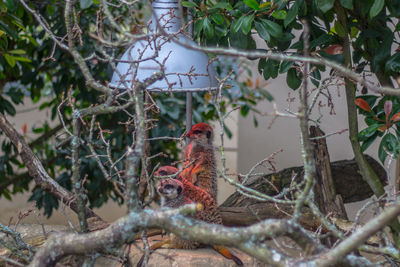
column 329, row 202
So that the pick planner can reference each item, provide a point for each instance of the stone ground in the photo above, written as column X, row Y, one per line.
column 164, row 257
column 202, row 257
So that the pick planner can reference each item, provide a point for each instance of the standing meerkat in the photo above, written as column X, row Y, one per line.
column 177, row 192
column 199, row 157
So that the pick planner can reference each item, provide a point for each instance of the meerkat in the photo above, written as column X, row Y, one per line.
column 190, row 194
column 171, row 192
column 199, row 157
column 179, row 191
column 172, row 195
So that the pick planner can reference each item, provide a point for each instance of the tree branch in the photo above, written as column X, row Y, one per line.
column 344, row 71
column 37, row 171
column 248, row 239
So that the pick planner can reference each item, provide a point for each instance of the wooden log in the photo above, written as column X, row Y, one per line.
column 346, row 178
column 329, row 201
column 245, row 216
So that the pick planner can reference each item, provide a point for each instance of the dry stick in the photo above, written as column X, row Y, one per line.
column 368, row 174
column 76, row 174
column 90, row 81
column 37, row 171
column 342, row 70
column 17, row 237
column 359, row 237
column 13, row 262
column 307, row 149
column 96, row 156
column 134, row 155
column 248, row 239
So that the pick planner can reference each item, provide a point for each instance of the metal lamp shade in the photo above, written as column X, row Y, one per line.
column 186, row 70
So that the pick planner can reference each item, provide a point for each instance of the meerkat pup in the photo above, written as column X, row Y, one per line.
column 190, row 194
column 179, row 191
column 172, row 195
column 171, row 192
column 199, row 157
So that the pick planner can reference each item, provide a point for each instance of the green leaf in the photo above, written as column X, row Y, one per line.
column 292, row 79
column 50, row 9
column 261, row 64
column 8, row 30
column 316, row 77
column 228, row 132
column 38, row 130
column 383, row 53
column 255, row 121
column 367, row 143
column 368, row 132
column 262, row 31
column 272, row 28
column 397, row 28
column 389, row 144
column 238, row 40
column 271, row 69
column 285, row 66
column 291, row 15
column 325, row 5
column 31, row 39
column 11, row 5
column 223, row 5
column 217, row 18
column 189, row 4
column 244, row 110
column 8, row 107
column 279, row 14
column 208, row 28
column 198, row 26
column 266, row 94
column 339, row 29
column 347, row 4
column 22, row 59
column 85, row 3
column 10, row 60
column 237, row 24
column 376, row 8
column 247, row 22
column 353, row 32
column 17, row 52
column 393, row 64
column 382, row 153
column 6, row 194
column 252, row 4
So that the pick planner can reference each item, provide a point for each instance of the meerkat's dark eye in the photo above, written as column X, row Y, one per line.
column 169, row 186
column 162, row 173
column 196, row 132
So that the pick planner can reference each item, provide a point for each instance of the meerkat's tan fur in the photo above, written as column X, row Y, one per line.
column 199, row 157
column 189, row 194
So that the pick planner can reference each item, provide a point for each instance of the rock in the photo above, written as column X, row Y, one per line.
column 201, row 257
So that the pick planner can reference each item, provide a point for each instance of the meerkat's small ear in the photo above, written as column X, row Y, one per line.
column 179, row 189
column 208, row 134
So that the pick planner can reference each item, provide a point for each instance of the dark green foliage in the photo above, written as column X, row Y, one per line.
column 369, row 28
column 382, row 118
column 31, row 67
